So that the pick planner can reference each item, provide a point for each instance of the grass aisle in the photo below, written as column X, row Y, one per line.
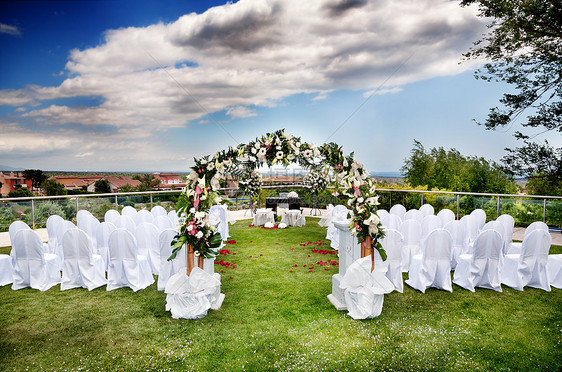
column 276, row 317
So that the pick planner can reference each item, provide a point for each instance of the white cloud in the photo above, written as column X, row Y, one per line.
column 10, row 30
column 253, row 53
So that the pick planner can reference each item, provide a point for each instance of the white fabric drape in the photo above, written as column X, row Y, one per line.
column 147, row 244
column 81, row 267
column 364, row 290
column 338, row 213
column 6, row 269
column 293, row 217
column 191, row 297
column 554, row 269
column 411, row 232
column 169, row 268
column 392, row 244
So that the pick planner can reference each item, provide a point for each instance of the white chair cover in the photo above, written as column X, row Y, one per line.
column 144, row 216
column 432, row 268
column 471, row 227
column 158, row 210
column 446, row 215
column 129, row 211
column 219, row 214
column 128, row 223
column 516, row 246
column 63, row 227
column 173, row 216
column 263, row 216
column 480, row 216
column 427, row 210
column 326, row 217
column 411, row 231
column 293, row 217
column 430, row 223
column 6, row 268
column 169, row 268
column 529, row 268
column 80, row 215
column 89, row 224
column 34, row 268
column 53, row 223
column 111, row 216
column 364, row 290
column 392, row 244
column 508, row 225
column 102, row 238
column 147, row 244
column 12, row 231
column 391, row 221
column 191, row 297
column 414, row 214
column 338, row 213
column 457, row 230
column 163, row 223
column 381, row 213
column 554, row 269
column 126, row 267
column 81, row 267
column 482, row 268
column 398, row 210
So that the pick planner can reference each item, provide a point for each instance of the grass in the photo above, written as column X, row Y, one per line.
column 275, row 319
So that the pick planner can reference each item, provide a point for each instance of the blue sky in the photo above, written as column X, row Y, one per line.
column 147, row 85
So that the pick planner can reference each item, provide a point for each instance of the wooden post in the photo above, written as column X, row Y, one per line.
column 190, row 256
column 200, row 262
column 367, row 249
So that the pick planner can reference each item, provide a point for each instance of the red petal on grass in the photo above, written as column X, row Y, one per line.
column 231, row 278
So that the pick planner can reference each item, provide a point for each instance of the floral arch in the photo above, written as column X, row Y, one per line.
column 279, row 147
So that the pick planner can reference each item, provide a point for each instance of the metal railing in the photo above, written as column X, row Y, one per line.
column 147, row 198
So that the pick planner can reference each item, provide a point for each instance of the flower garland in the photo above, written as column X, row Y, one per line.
column 251, row 183
column 274, row 148
column 315, row 181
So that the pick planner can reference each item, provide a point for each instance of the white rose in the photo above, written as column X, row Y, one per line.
column 199, row 234
column 360, row 199
column 278, row 147
column 254, row 151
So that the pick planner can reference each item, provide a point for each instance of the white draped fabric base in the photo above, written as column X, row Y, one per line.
column 364, row 290
column 190, row 297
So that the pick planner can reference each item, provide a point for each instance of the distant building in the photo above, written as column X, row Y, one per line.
column 76, row 182
column 169, row 181
column 10, row 180
column 116, row 183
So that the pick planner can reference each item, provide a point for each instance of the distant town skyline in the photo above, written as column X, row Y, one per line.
column 147, row 85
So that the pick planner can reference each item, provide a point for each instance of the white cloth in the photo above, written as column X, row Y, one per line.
column 191, row 297
column 173, row 216
column 554, row 269
column 102, row 239
column 89, row 224
column 515, row 247
column 169, row 268
column 482, row 268
column 392, row 244
column 6, row 268
column 34, row 268
column 529, row 268
column 53, row 223
column 446, row 215
column 391, row 221
column 480, row 216
column 327, row 217
column 12, row 231
column 81, row 267
column 129, row 211
column 126, row 267
column 432, row 268
column 293, row 217
column 508, row 225
column 413, row 214
column 338, row 214
column 411, row 233
column 263, row 216
column 430, row 223
column 63, row 227
column 163, row 222
column 111, row 216
column 398, row 210
column 147, row 244
column 158, row 210
column 472, row 230
column 364, row 290
column 218, row 213
column 427, row 210
column 128, row 223
column 144, row 216
column 457, row 229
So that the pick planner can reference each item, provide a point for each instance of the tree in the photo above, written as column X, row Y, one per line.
column 126, row 188
column 450, row 170
column 148, row 182
column 36, row 176
column 102, row 186
column 19, row 192
column 524, row 45
column 52, row 188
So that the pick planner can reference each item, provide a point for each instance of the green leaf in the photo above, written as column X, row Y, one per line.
column 215, row 240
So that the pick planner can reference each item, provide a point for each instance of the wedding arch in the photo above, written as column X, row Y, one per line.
column 198, row 235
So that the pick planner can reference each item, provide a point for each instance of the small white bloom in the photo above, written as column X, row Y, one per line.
column 199, row 234
column 307, row 153
column 279, row 155
column 211, row 166
column 203, row 197
column 257, row 145
column 189, row 227
column 360, row 199
column 254, row 151
column 192, row 210
column 278, row 147
column 196, row 253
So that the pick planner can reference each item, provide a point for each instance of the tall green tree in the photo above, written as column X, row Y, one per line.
column 52, row 188
column 148, row 182
column 36, row 176
column 102, row 186
column 19, row 192
column 524, row 47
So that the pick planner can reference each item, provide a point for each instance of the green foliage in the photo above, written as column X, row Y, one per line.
column 102, row 186
column 7, row 216
column 36, row 176
column 148, row 182
column 52, row 188
column 524, row 45
column 449, row 170
column 20, row 192
column 127, row 188
column 43, row 211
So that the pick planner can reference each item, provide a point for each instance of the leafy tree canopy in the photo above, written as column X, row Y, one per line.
column 524, row 45
column 148, row 182
column 36, row 176
column 19, row 192
column 450, row 170
column 52, row 188
column 102, row 186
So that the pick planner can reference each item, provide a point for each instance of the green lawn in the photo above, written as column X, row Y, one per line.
column 275, row 319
